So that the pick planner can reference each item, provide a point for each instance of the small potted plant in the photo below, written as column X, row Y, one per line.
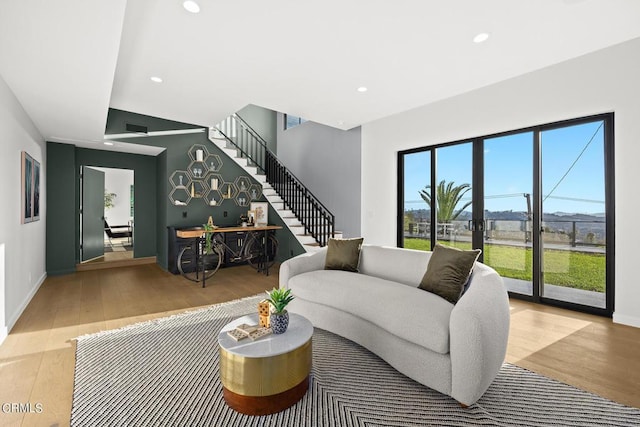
column 279, row 298
column 208, row 238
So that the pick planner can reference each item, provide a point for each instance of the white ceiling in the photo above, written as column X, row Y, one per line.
column 68, row 61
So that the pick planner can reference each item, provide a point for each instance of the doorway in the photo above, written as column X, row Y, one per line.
column 537, row 201
column 107, row 225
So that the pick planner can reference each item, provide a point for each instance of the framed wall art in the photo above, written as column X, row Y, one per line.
column 30, row 189
column 261, row 210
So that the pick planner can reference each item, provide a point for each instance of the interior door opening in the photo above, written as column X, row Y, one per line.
column 107, row 226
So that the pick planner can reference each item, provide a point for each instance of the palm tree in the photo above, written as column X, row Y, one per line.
column 447, row 198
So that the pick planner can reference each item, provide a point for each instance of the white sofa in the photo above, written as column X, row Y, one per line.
column 454, row 349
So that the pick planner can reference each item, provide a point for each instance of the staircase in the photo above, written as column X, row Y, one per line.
column 308, row 219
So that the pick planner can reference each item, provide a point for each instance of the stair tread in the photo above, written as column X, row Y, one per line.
column 291, row 219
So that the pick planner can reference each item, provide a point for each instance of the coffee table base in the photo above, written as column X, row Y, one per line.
column 265, row 405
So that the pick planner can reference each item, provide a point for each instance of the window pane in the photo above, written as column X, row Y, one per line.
column 292, row 121
column 508, row 214
column 574, row 214
column 417, row 212
column 454, row 194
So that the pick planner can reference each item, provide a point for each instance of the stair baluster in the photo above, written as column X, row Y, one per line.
column 316, row 219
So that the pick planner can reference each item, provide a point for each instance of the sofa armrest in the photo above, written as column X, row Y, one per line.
column 479, row 331
column 301, row 264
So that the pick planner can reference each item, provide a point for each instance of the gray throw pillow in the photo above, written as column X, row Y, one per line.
column 343, row 254
column 448, row 271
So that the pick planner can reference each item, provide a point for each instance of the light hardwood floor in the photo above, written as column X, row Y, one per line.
column 37, row 358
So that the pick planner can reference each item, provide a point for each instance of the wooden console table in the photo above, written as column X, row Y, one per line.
column 244, row 251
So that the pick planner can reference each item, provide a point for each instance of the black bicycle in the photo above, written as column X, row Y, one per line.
column 202, row 259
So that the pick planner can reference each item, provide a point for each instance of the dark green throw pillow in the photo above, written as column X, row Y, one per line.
column 343, row 254
column 448, row 271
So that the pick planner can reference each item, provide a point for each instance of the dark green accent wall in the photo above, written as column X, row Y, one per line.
column 288, row 245
column 61, row 212
column 118, row 119
column 197, row 211
column 161, row 226
column 144, row 187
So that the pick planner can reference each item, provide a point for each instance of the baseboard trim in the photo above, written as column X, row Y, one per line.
column 13, row 319
column 61, row 272
column 626, row 320
column 115, row 264
column 3, row 334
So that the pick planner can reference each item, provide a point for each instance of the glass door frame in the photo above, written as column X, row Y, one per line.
column 478, row 204
column 609, row 186
column 433, row 232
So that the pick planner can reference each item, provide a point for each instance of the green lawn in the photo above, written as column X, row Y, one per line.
column 563, row 268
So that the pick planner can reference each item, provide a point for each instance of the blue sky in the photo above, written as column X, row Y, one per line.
column 509, row 170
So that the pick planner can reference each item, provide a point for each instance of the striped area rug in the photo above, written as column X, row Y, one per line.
column 165, row 373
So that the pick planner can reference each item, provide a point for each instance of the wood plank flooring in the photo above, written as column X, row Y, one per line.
column 589, row 352
column 37, row 358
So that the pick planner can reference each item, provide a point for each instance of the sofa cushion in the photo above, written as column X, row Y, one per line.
column 448, row 271
column 396, row 264
column 408, row 312
column 343, row 254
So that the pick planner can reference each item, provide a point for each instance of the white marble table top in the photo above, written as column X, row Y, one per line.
column 299, row 332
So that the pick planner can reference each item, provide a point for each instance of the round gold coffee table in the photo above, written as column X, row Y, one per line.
column 267, row 375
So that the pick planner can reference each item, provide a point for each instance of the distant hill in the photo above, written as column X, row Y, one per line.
column 425, row 215
column 557, row 222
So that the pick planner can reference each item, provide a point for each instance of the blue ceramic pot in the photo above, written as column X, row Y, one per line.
column 279, row 322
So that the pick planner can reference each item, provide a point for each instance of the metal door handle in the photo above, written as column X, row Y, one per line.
column 476, row 224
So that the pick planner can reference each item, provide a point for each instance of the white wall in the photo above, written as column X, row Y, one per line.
column 601, row 82
column 327, row 161
column 22, row 268
column 118, row 181
column 263, row 121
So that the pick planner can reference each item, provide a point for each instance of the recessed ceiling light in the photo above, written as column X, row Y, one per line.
column 108, row 143
column 362, row 89
column 481, row 37
column 156, row 79
column 191, row 6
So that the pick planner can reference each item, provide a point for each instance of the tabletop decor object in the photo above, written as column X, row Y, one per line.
column 279, row 319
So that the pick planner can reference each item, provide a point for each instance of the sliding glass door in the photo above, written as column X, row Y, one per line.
column 507, row 238
column 538, row 202
column 574, row 214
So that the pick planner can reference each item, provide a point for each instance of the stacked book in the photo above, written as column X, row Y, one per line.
column 253, row 332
